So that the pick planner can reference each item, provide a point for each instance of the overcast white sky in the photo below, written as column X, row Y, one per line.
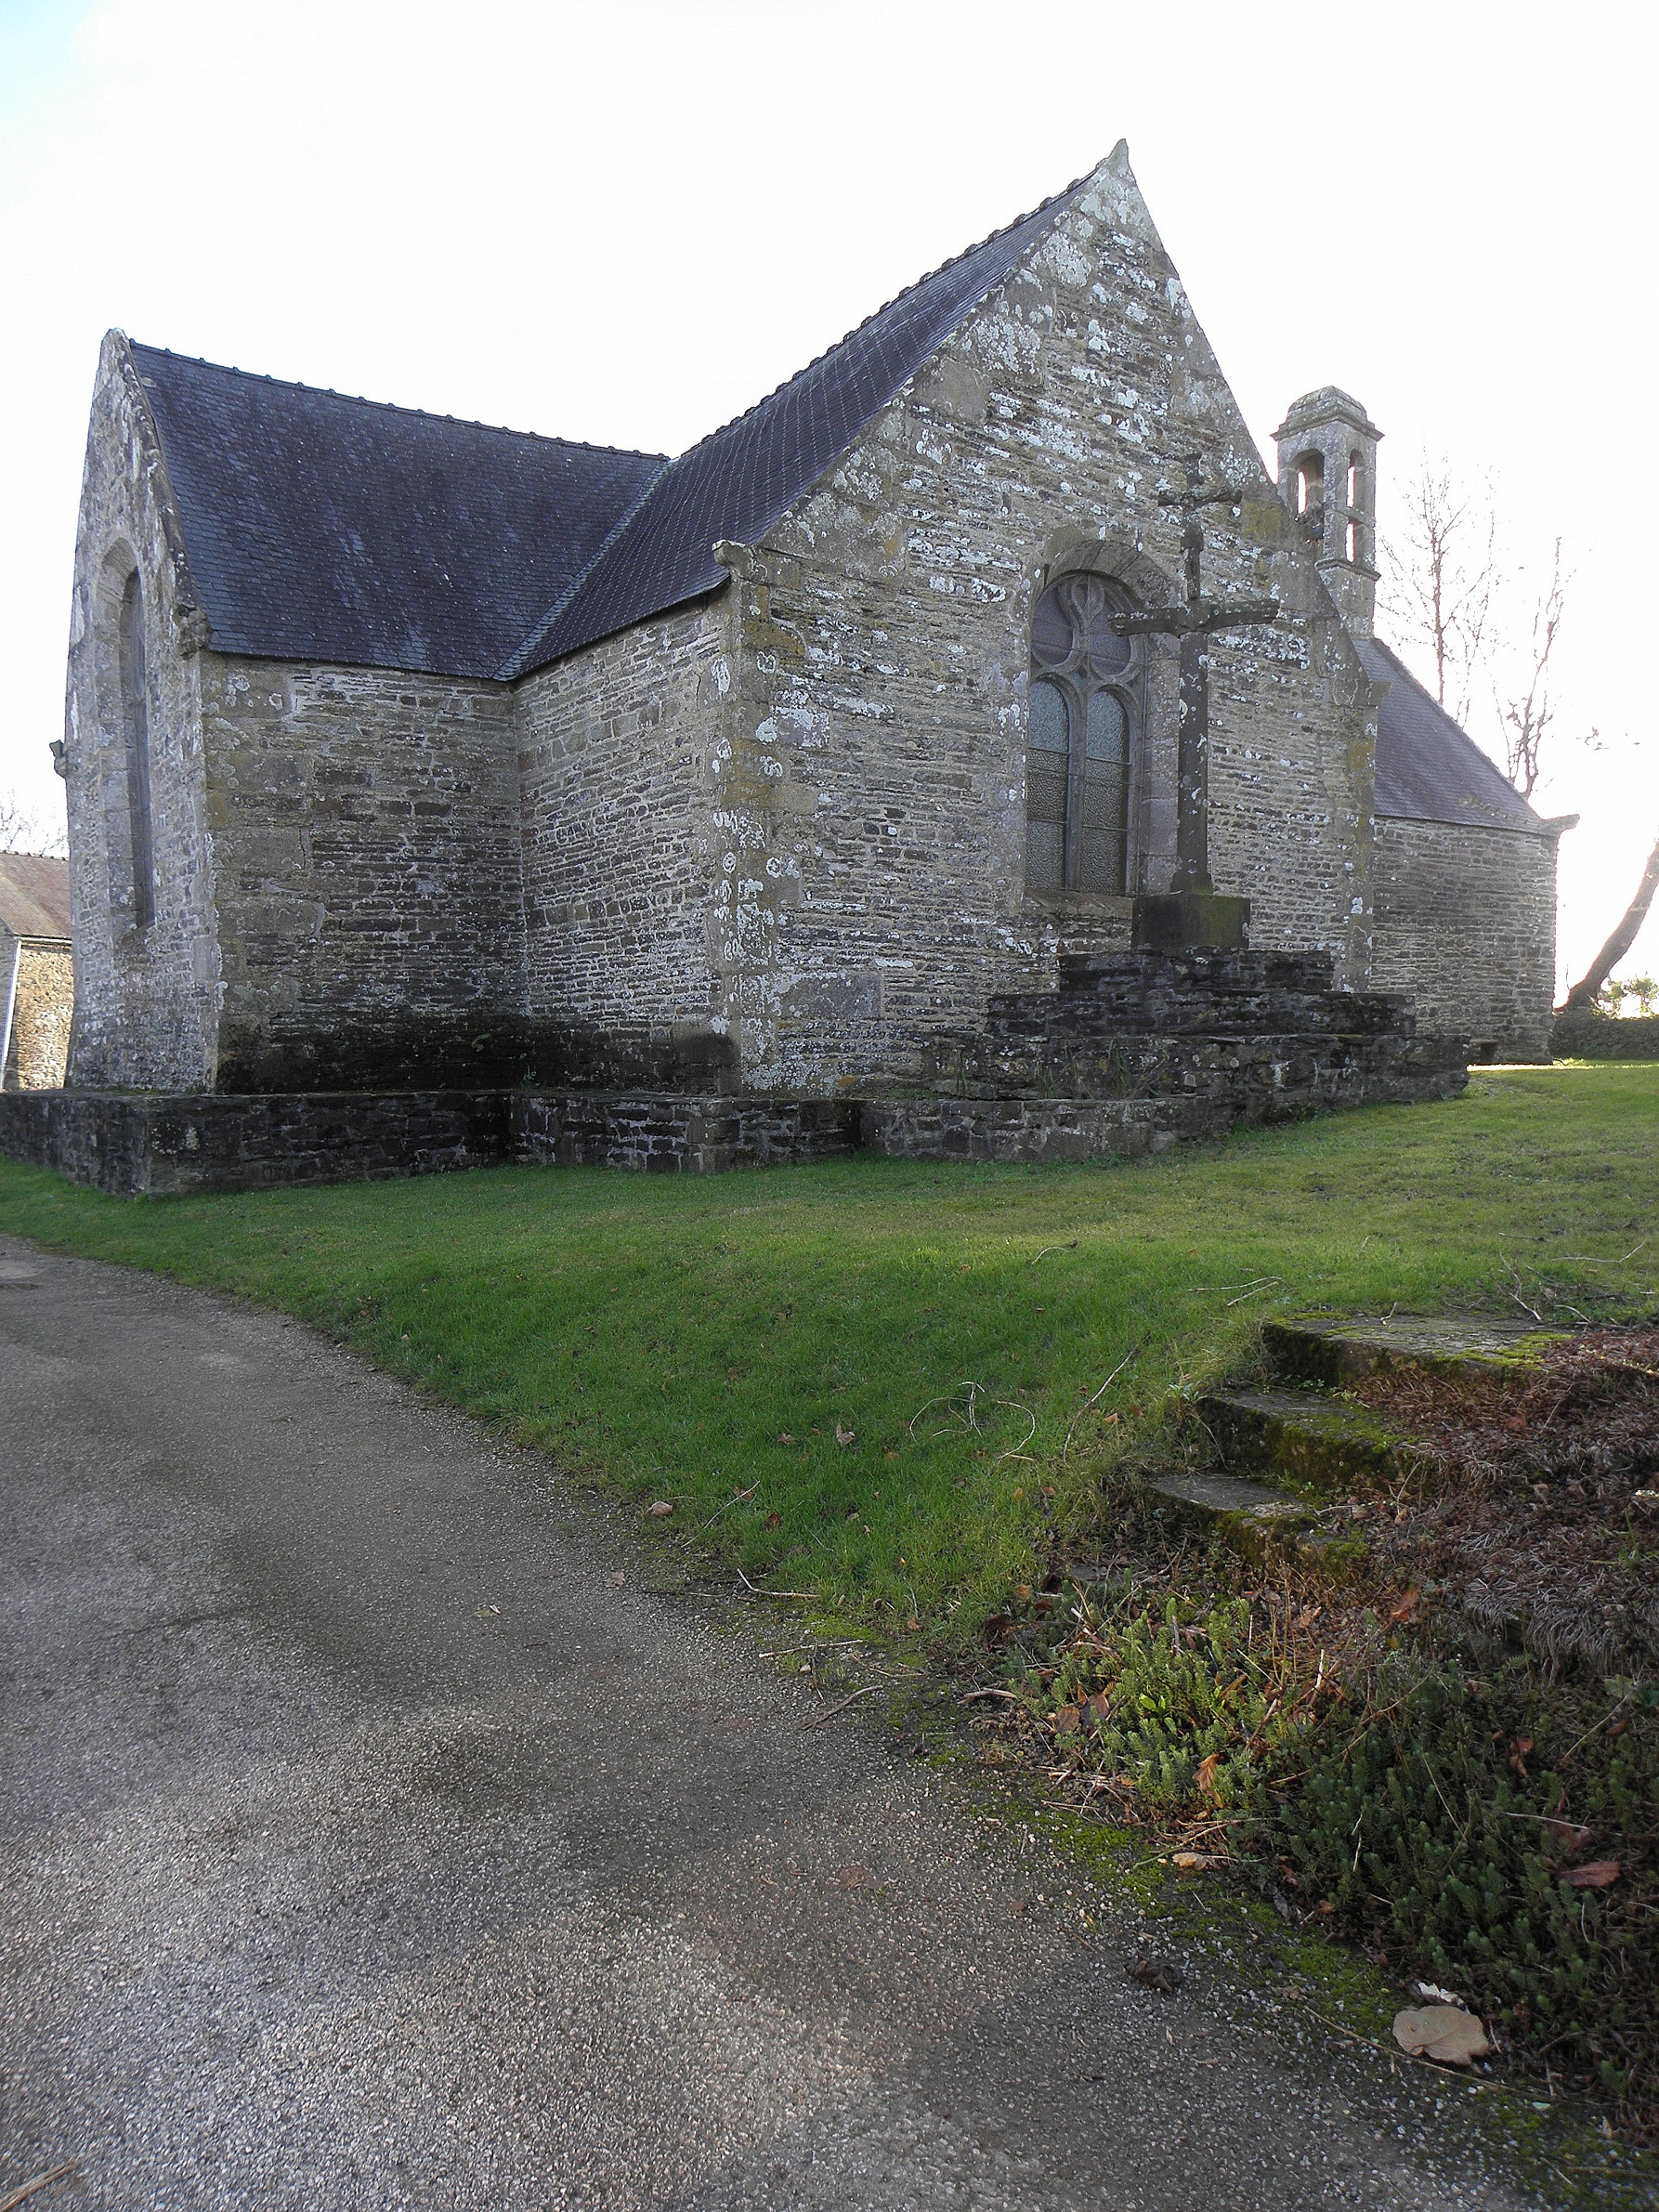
column 624, row 220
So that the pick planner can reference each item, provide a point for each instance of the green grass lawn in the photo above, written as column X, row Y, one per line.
column 707, row 1342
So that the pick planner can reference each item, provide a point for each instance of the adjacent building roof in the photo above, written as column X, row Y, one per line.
column 1428, row 769
column 34, row 895
column 323, row 527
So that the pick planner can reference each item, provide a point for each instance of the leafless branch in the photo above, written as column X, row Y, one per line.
column 23, row 830
column 1441, row 577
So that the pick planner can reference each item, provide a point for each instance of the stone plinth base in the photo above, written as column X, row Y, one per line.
column 163, row 1146
column 1191, row 921
column 1134, row 1053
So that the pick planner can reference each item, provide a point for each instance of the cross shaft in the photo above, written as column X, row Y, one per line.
column 1193, row 621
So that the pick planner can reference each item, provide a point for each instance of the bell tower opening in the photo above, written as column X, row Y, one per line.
column 1327, row 477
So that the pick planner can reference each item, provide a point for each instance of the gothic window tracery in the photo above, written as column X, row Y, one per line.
column 1082, row 729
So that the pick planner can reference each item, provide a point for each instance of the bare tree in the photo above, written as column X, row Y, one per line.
column 1585, row 991
column 1442, row 576
column 1528, row 719
column 23, row 831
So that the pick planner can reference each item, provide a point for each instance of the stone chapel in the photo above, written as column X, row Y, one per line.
column 404, row 752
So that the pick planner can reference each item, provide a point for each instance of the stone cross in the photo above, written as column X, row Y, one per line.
column 1193, row 622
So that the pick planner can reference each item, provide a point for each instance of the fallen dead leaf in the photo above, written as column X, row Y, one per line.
column 659, row 1509
column 845, row 1437
column 1445, row 2033
column 1206, row 1770
column 616, row 1581
column 784, row 1436
column 1600, row 1874
column 1192, row 1862
column 1569, row 1834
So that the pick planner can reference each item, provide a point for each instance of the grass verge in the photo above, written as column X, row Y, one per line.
column 889, row 1383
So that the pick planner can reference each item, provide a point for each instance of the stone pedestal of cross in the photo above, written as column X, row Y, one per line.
column 1192, row 913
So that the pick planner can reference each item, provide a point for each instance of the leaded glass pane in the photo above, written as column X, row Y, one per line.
column 1103, row 862
column 1045, row 856
column 1049, row 719
column 1107, row 728
column 1077, row 763
column 1107, row 651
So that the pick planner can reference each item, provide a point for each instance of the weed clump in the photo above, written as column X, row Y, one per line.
column 1493, row 1831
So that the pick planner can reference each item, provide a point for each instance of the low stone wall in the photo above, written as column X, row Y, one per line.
column 153, row 1145
column 139, row 1144
column 689, row 1135
column 1587, row 1035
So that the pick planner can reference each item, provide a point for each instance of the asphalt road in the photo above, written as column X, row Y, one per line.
column 367, row 1845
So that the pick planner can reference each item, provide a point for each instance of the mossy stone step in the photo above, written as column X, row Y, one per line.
column 1294, row 1437
column 1210, row 1498
column 1258, row 1522
column 1467, row 1348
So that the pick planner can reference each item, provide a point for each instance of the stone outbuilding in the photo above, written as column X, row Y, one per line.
column 36, row 972
column 404, row 751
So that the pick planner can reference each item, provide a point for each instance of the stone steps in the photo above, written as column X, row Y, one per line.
column 1283, row 1451
column 1270, row 1077
column 1332, row 1013
column 1198, row 993
column 1471, row 1347
column 1220, row 1038
column 1294, row 1437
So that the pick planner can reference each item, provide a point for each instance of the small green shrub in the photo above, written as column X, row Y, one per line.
column 1587, row 1034
column 1436, row 1813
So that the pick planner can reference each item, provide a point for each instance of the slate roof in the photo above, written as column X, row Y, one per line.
column 33, row 895
column 1428, row 769
column 737, row 482
column 320, row 527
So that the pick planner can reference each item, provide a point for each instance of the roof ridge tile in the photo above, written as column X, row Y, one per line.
column 424, row 415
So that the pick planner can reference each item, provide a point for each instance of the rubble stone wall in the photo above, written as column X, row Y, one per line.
column 42, row 1013
column 146, row 992
column 615, row 749
column 365, row 834
column 1466, row 924
column 875, row 797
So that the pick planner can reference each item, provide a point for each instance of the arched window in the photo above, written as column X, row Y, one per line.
column 1083, row 718
column 134, row 716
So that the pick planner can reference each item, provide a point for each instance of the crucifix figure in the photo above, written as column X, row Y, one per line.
column 1193, row 622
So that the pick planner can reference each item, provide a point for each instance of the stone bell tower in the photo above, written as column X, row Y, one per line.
column 1327, row 477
